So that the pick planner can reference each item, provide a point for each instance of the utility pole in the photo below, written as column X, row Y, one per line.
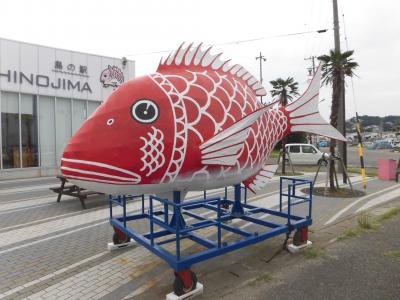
column 311, row 73
column 312, row 70
column 341, row 121
column 261, row 58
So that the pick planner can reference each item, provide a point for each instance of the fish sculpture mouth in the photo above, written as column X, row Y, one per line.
column 97, row 172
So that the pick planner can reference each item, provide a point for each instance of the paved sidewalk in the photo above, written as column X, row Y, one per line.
column 52, row 250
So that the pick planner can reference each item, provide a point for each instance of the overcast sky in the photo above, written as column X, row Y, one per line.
column 131, row 28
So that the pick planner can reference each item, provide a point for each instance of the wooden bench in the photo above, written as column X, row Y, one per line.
column 72, row 190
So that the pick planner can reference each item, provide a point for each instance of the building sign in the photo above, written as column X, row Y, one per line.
column 112, row 76
column 70, row 69
column 40, row 70
column 45, row 81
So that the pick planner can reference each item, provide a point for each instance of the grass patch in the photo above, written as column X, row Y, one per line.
column 274, row 154
column 365, row 224
column 313, row 252
column 352, row 232
column 390, row 214
column 393, row 253
column 266, row 277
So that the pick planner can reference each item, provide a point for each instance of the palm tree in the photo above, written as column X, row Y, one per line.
column 284, row 89
column 335, row 67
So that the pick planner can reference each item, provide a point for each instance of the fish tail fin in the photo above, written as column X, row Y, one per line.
column 304, row 115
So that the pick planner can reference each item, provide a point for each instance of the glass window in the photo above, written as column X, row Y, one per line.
column 78, row 114
column 309, row 149
column 47, row 132
column 63, row 125
column 10, row 130
column 294, row 149
column 29, row 131
column 92, row 106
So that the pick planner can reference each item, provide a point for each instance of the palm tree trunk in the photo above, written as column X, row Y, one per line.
column 342, row 145
column 334, row 116
column 283, row 103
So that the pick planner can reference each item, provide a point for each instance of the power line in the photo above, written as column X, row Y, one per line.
column 309, row 20
column 358, row 123
column 241, row 41
column 347, row 48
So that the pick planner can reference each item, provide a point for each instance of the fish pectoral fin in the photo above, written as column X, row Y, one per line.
column 225, row 152
column 260, row 180
column 225, row 147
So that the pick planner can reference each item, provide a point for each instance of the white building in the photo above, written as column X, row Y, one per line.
column 45, row 95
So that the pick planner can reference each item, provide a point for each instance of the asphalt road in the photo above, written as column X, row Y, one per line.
column 371, row 157
column 357, row 268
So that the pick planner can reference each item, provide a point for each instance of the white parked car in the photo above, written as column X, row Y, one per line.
column 305, row 154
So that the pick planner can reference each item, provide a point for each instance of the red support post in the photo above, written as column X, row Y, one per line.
column 186, row 276
column 121, row 235
column 304, row 234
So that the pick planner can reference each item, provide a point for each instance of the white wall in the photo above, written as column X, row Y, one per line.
column 37, row 63
column 34, row 60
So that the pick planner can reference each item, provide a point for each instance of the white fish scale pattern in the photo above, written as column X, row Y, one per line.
column 203, row 109
column 153, row 151
column 179, row 150
column 269, row 129
column 241, row 92
column 265, row 133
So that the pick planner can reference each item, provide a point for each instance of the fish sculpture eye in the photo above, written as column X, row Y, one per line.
column 145, row 111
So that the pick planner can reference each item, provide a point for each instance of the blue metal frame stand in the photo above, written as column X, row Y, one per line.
column 177, row 219
column 237, row 208
column 175, row 229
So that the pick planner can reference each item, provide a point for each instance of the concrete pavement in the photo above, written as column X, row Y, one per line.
column 54, row 250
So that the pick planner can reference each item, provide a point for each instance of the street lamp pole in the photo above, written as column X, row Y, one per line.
column 311, row 72
column 261, row 58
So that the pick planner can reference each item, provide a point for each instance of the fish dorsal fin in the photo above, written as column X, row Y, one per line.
column 199, row 58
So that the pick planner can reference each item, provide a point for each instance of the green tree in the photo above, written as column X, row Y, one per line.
column 284, row 89
column 335, row 67
column 396, row 127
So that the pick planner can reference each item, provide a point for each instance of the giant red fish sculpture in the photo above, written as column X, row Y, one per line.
column 194, row 124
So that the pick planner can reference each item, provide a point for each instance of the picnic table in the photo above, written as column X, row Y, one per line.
column 72, row 190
